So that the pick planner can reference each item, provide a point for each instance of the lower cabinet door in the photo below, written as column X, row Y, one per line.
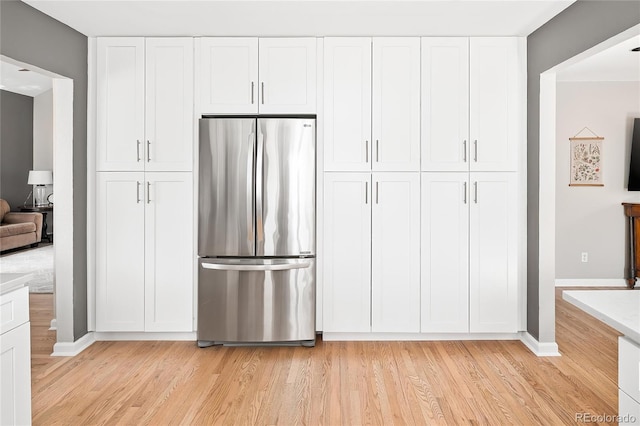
column 15, row 369
column 168, row 297
column 120, row 204
column 493, row 253
column 347, row 252
column 445, row 253
column 395, row 277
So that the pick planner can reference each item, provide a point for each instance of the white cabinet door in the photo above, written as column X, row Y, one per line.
column 287, row 70
column 493, row 253
column 168, row 252
column 445, row 103
column 347, row 252
column 347, row 104
column 494, row 104
column 120, row 251
column 396, row 104
column 15, row 368
column 169, row 104
column 120, row 103
column 445, row 253
column 229, row 75
column 395, row 277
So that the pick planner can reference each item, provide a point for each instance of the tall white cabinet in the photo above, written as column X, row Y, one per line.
column 144, row 185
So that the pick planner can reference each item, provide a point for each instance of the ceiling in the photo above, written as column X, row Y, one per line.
column 617, row 63
column 302, row 17
column 29, row 83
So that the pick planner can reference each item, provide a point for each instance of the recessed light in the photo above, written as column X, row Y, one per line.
column 637, row 49
column 24, row 69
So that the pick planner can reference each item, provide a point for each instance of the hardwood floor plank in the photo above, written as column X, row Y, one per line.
column 335, row 383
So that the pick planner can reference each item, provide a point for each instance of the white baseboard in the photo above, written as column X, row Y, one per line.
column 338, row 336
column 591, row 282
column 73, row 348
column 124, row 336
column 540, row 349
column 54, row 325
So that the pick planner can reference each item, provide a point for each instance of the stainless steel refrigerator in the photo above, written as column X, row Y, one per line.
column 256, row 230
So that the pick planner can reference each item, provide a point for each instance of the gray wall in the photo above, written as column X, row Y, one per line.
column 30, row 36
column 581, row 26
column 16, row 147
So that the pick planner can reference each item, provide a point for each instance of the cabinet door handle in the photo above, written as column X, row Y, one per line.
column 366, row 151
column 377, row 192
column 465, row 192
column 475, row 150
column 366, row 192
column 252, row 85
column 262, row 88
column 148, row 151
column 138, row 149
column 464, row 150
column 148, row 192
column 138, row 192
column 377, row 150
column 475, row 192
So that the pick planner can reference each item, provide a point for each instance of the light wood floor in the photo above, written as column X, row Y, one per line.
column 335, row 383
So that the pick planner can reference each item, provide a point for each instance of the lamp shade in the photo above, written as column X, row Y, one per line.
column 40, row 177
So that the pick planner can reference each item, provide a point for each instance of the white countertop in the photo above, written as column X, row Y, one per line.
column 10, row 282
column 619, row 309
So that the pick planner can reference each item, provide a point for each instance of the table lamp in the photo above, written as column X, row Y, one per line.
column 40, row 178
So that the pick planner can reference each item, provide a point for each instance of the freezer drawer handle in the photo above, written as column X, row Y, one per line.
column 277, row 267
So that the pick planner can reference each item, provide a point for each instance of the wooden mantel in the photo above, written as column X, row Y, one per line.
column 632, row 211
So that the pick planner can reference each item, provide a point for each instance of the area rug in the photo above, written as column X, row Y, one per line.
column 38, row 262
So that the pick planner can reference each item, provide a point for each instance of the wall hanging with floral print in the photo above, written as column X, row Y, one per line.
column 586, row 160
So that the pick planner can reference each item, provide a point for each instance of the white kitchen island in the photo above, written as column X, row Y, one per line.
column 619, row 309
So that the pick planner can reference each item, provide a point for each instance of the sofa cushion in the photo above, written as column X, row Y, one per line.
column 17, row 229
column 4, row 208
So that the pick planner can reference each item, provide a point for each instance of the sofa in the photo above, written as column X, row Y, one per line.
column 18, row 229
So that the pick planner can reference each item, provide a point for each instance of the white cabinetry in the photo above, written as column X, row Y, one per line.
column 469, row 252
column 144, row 104
column 628, row 381
column 372, row 269
column 15, row 358
column 144, row 273
column 372, row 104
column 471, row 103
column 251, row 75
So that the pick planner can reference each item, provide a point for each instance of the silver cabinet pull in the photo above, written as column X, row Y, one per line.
column 148, row 192
column 377, row 192
column 252, row 84
column 464, row 150
column 366, row 192
column 138, row 150
column 148, row 151
column 465, row 192
column 377, row 151
column 475, row 150
column 475, row 192
column 366, row 151
column 262, row 88
column 138, row 192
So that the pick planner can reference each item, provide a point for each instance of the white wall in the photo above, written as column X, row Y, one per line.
column 43, row 133
column 591, row 219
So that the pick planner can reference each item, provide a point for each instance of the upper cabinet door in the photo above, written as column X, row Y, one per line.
column 287, row 70
column 229, row 75
column 347, row 104
column 396, row 104
column 445, row 104
column 495, row 104
column 120, row 104
column 169, row 104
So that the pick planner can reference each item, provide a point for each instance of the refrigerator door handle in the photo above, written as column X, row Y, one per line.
column 240, row 267
column 259, row 180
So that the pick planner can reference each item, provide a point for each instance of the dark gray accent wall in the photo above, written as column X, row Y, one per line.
column 16, row 147
column 30, row 36
column 581, row 26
